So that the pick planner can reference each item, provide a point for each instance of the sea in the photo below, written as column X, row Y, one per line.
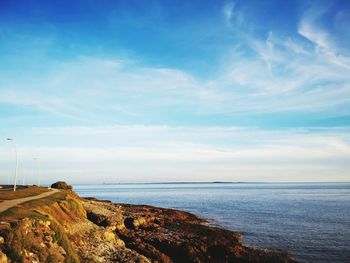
column 311, row 221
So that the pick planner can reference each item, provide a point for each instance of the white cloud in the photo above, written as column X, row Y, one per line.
column 165, row 153
column 324, row 46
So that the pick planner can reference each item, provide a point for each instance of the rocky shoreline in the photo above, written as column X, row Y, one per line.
column 73, row 229
column 167, row 235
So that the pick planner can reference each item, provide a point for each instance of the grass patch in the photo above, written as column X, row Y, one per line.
column 48, row 200
column 26, row 209
column 9, row 194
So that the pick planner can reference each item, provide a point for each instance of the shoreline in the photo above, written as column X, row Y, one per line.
column 65, row 227
column 205, row 225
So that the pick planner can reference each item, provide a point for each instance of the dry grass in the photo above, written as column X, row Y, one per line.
column 27, row 209
column 22, row 192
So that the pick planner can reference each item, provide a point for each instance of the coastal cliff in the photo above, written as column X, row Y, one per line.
column 66, row 228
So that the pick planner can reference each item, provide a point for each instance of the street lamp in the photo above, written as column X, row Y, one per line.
column 16, row 170
column 38, row 169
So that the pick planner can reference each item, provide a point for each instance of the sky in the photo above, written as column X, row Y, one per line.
column 158, row 91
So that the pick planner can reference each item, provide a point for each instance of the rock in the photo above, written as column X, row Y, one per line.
column 135, row 222
column 111, row 228
column 48, row 239
column 120, row 242
column 104, row 214
column 120, row 227
column 98, row 218
column 4, row 225
column 61, row 185
column 109, row 236
column 3, row 257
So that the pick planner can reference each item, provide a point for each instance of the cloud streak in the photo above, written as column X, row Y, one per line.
column 116, row 150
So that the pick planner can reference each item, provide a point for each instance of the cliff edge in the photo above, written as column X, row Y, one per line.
column 66, row 228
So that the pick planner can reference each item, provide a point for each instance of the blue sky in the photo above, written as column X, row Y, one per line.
column 126, row 91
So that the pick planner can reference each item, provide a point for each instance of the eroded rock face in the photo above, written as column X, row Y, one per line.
column 99, row 242
column 104, row 214
column 103, row 245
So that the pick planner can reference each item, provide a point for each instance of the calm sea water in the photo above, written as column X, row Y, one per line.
column 311, row 221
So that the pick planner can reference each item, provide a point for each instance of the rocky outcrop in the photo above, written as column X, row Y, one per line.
column 104, row 213
column 166, row 235
column 61, row 185
column 67, row 228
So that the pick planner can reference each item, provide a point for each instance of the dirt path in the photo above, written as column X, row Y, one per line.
column 4, row 205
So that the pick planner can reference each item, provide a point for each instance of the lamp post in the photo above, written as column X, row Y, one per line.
column 38, row 169
column 16, row 170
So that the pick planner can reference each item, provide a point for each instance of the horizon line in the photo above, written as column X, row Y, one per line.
column 192, row 182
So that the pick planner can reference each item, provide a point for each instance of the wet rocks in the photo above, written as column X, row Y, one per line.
column 167, row 235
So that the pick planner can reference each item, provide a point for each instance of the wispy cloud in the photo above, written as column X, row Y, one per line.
column 309, row 29
column 83, row 88
column 114, row 150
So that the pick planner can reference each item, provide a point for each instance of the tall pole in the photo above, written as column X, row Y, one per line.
column 16, row 170
column 38, row 169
